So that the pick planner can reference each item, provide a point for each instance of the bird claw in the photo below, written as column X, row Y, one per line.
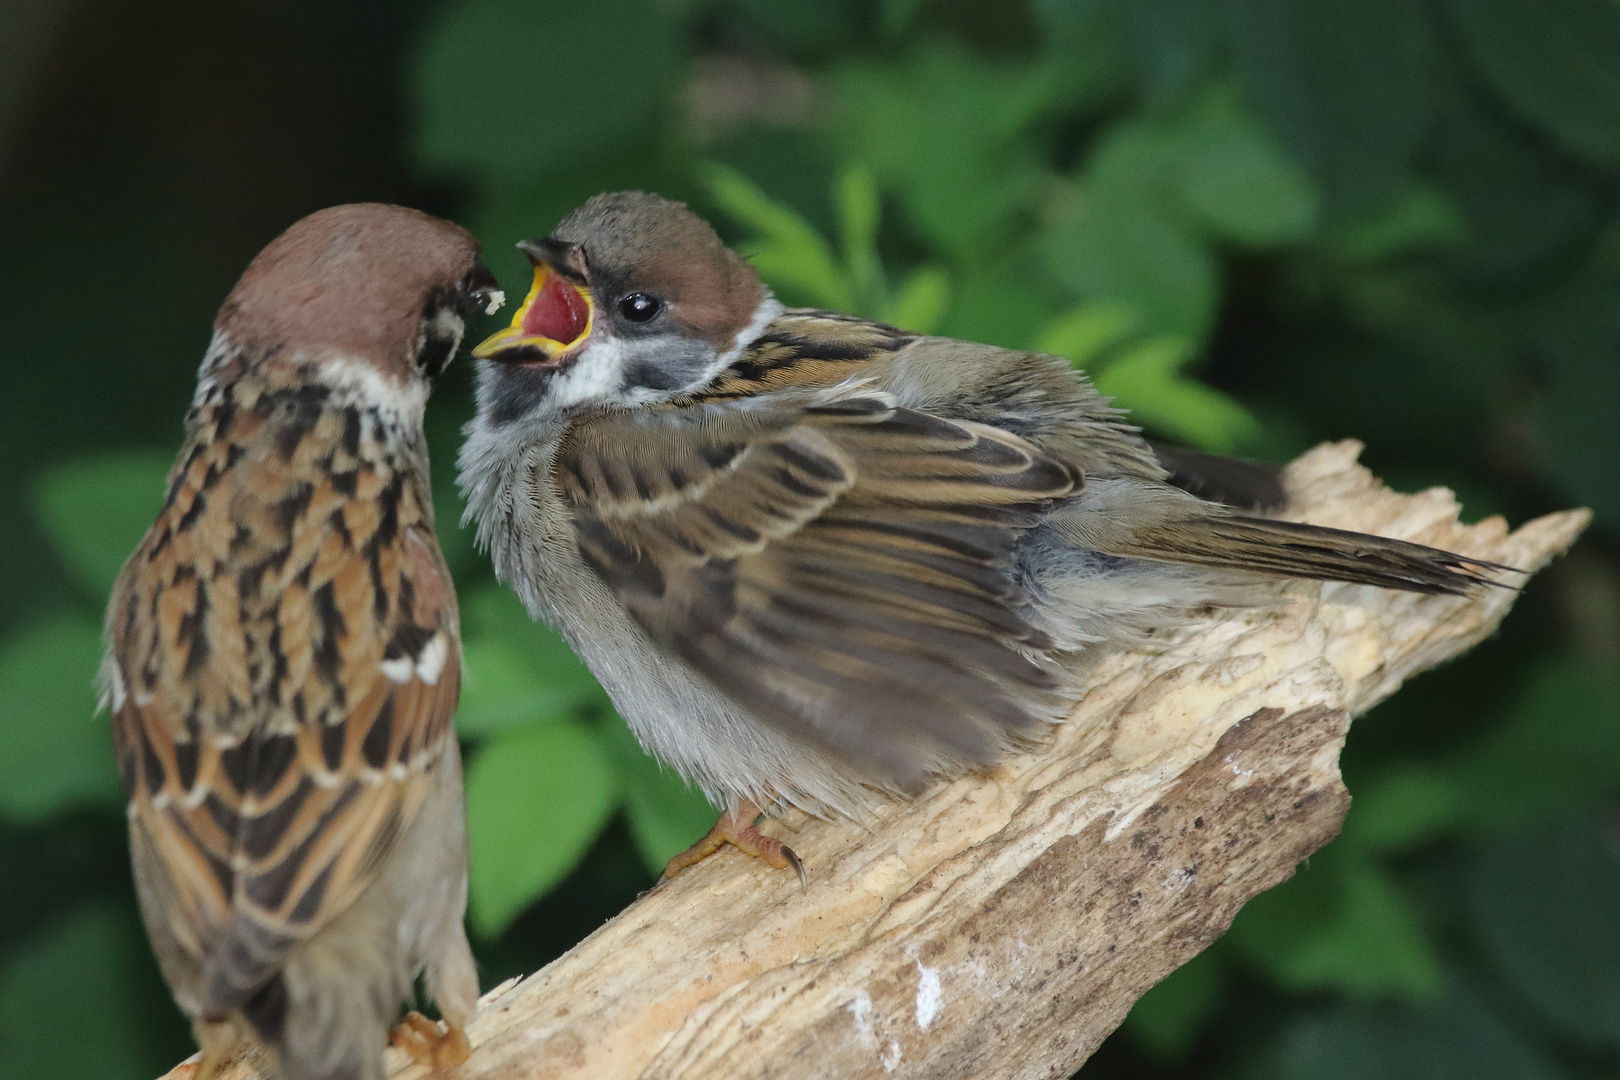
column 433, row 1043
column 738, row 829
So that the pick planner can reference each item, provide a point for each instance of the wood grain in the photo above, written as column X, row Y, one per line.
column 1003, row 924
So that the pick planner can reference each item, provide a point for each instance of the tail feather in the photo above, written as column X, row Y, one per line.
column 1290, row 549
column 1237, row 482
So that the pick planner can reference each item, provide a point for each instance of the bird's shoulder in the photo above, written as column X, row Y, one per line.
column 1039, row 397
column 807, row 347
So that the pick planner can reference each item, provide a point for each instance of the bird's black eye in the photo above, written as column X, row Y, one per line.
column 639, row 307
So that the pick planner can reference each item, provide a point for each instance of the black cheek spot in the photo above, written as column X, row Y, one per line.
column 435, row 355
column 650, row 376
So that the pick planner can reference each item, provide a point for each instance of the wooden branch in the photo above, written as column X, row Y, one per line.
column 1003, row 924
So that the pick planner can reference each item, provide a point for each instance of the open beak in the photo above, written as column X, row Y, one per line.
column 556, row 316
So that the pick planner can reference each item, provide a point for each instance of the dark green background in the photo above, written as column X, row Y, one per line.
column 1261, row 223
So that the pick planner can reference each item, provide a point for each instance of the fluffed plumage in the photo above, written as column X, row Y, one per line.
column 284, row 658
column 816, row 558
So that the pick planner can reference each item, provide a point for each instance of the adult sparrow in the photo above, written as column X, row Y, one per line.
column 283, row 660
column 818, row 559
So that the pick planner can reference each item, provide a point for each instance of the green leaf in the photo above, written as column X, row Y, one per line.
column 96, row 509
column 1090, row 46
column 1559, row 749
column 1167, row 1020
column 897, row 15
column 1547, row 905
column 1341, row 923
column 1083, row 333
column 55, row 753
column 1527, row 212
column 536, row 799
column 67, row 1001
column 1235, row 180
column 518, row 671
column 942, row 128
column 1422, row 219
column 1403, row 806
column 506, row 88
column 997, row 309
column 1579, row 442
column 1556, row 61
column 506, row 685
column 1176, row 42
column 921, row 303
column 1123, row 250
column 666, row 815
column 1457, row 1038
column 789, row 254
column 1346, row 85
column 494, row 612
column 1147, row 380
column 856, row 197
column 796, row 29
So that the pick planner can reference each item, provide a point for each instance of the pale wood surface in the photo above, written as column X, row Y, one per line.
column 1003, row 924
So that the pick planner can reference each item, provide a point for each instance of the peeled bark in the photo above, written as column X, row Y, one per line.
column 1002, row 925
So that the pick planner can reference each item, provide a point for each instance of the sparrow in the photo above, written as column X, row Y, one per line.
column 816, row 560
column 283, row 659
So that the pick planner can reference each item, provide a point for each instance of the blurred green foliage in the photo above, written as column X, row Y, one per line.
column 1257, row 223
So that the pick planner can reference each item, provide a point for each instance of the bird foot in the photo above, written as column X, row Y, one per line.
column 737, row 829
column 432, row 1043
column 221, row 1042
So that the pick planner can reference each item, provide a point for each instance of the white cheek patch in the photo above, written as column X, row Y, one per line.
column 370, row 387
column 595, row 375
column 445, row 323
column 765, row 314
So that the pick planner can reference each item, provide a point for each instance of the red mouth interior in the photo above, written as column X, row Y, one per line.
column 558, row 313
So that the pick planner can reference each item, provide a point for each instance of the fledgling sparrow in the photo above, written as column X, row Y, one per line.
column 283, row 660
column 818, row 559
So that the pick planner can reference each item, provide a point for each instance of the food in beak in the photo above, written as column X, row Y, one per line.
column 554, row 317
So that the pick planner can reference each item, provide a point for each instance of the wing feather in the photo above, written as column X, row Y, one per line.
column 292, row 663
column 838, row 565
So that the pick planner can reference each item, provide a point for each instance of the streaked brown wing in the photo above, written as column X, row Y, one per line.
column 268, row 783
column 840, row 566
